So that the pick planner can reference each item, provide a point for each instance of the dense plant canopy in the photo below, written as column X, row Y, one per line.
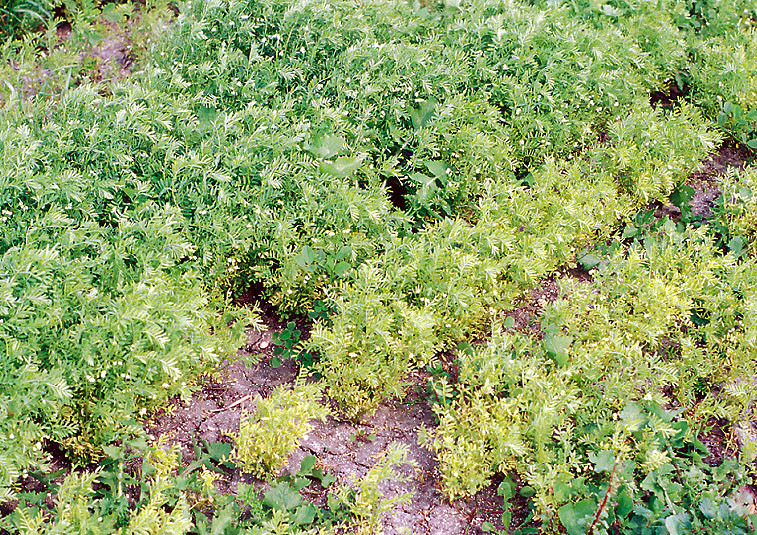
column 408, row 172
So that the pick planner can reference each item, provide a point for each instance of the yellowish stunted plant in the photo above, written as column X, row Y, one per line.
column 370, row 503
column 268, row 436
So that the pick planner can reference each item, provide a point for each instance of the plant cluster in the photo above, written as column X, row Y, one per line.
column 721, row 78
column 288, row 342
column 418, row 168
column 86, row 47
column 666, row 320
column 386, row 321
column 268, row 436
column 18, row 16
column 140, row 490
column 368, row 503
column 735, row 212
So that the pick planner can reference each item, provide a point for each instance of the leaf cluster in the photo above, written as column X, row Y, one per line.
column 268, row 436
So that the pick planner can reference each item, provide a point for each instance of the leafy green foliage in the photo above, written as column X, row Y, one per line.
column 279, row 509
column 17, row 16
column 735, row 212
column 285, row 342
column 591, row 392
column 681, row 495
column 521, row 235
column 80, row 508
column 162, row 496
column 82, row 356
column 721, row 82
column 268, row 436
column 439, row 387
column 321, row 311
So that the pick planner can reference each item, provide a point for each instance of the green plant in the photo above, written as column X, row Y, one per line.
column 334, row 266
column 18, row 16
column 734, row 225
column 679, row 491
column 287, row 343
column 368, row 503
column 126, row 496
column 362, row 435
column 734, row 118
column 279, row 509
column 439, row 387
column 321, row 310
column 430, row 290
column 420, row 168
column 721, row 86
column 268, row 436
column 587, row 392
column 80, row 508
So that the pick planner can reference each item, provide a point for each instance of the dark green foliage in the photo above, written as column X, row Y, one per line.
column 288, row 342
column 683, row 495
column 124, row 493
column 18, row 16
column 281, row 502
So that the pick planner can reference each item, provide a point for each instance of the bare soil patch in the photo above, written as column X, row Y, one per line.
column 110, row 60
column 704, row 181
column 528, row 309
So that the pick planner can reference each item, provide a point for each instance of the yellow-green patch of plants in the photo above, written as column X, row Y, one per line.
column 596, row 414
column 142, row 489
column 270, row 435
column 736, row 210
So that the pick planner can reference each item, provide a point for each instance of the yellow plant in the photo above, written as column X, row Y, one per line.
column 268, row 436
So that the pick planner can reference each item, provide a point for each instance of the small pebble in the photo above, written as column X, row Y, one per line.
column 264, row 344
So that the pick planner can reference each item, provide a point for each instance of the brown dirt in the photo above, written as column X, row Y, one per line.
column 729, row 155
column 112, row 58
column 345, row 451
column 236, row 385
column 704, row 181
column 719, row 442
column 669, row 97
column 528, row 309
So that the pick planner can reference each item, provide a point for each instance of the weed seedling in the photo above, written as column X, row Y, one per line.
column 285, row 343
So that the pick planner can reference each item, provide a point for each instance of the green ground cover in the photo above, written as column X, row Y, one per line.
column 417, row 168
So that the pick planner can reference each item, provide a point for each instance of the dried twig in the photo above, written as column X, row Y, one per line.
column 237, row 402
